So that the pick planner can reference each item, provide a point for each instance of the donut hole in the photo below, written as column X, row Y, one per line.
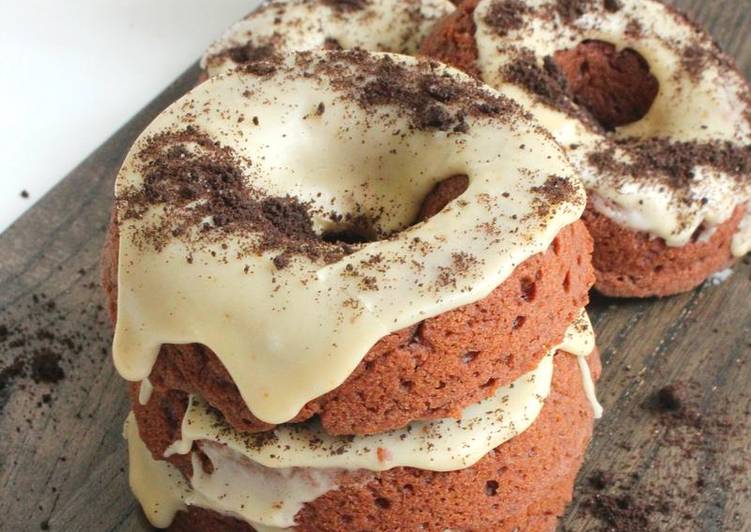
column 362, row 229
column 352, row 234
column 615, row 86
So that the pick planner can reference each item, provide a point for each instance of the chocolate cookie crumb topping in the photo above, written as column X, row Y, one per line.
column 332, row 44
column 612, row 6
column 600, row 480
column 45, row 367
column 570, row 10
column 249, row 53
column 506, row 15
column 433, row 99
column 673, row 163
column 623, row 513
column 556, row 191
column 261, row 68
column 671, row 397
column 187, row 168
column 695, row 59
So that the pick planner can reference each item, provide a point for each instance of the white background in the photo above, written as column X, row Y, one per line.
column 73, row 71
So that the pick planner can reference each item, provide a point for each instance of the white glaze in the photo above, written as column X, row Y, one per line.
column 291, row 25
column 306, row 327
column 162, row 491
column 144, row 391
column 158, row 485
column 589, row 387
column 686, row 109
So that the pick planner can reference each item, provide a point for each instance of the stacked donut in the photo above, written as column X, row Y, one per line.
column 348, row 286
column 348, row 290
column 654, row 117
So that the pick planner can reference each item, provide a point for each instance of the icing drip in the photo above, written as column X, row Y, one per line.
column 580, row 341
column 158, row 485
column 521, row 193
column 162, row 490
column 589, row 387
column 442, row 445
column 144, row 391
column 689, row 107
column 579, row 338
column 377, row 25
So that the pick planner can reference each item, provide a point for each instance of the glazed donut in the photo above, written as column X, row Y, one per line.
column 333, row 272
column 277, row 26
column 509, row 488
column 655, row 118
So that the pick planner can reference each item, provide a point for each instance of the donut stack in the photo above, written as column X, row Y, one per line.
column 348, row 294
column 654, row 117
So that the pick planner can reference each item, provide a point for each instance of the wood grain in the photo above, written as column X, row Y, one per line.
column 63, row 459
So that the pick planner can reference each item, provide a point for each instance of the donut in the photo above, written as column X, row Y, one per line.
column 655, row 118
column 510, row 488
column 342, row 274
column 277, row 26
column 394, row 383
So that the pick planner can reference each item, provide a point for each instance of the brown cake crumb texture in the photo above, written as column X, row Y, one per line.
column 452, row 40
column 524, row 483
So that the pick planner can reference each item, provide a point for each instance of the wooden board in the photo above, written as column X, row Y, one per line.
column 63, row 459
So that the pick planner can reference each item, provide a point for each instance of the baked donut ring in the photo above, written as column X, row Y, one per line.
column 333, row 272
column 227, row 192
column 279, row 26
column 655, row 118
